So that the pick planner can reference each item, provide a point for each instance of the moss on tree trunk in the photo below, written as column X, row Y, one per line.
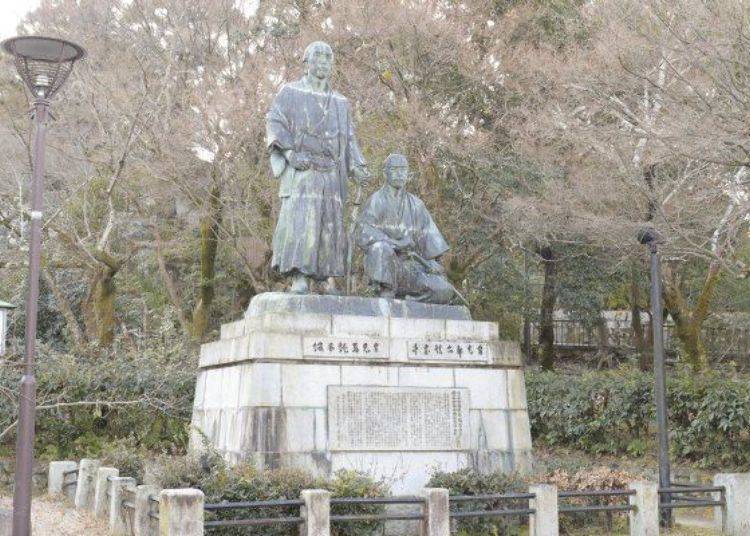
column 209, row 244
column 100, row 318
column 689, row 322
column 549, row 297
column 104, row 308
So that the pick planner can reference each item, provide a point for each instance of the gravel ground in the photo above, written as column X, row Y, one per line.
column 54, row 518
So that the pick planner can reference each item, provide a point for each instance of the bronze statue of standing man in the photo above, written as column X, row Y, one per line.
column 314, row 152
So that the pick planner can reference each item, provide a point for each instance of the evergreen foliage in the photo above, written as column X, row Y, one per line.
column 613, row 412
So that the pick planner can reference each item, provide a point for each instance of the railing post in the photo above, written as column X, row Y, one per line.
column 436, row 521
column 181, row 512
column 644, row 520
column 734, row 517
column 141, row 520
column 85, row 489
column 316, row 512
column 56, row 478
column 545, row 521
column 117, row 521
column 101, row 500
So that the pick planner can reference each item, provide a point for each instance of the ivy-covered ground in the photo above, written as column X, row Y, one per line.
column 612, row 413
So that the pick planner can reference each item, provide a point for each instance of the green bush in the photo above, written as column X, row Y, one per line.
column 599, row 412
column 92, row 400
column 127, row 456
column 613, row 412
column 469, row 482
column 710, row 419
column 243, row 482
column 353, row 484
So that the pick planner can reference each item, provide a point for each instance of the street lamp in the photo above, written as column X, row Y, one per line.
column 5, row 308
column 652, row 239
column 44, row 64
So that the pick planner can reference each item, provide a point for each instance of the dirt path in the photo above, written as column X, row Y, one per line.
column 55, row 518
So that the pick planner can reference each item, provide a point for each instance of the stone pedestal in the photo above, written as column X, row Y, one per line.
column 392, row 388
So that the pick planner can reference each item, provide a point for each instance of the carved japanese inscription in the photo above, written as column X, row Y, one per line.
column 450, row 351
column 398, row 418
column 345, row 347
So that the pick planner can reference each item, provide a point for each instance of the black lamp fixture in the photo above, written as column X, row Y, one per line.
column 44, row 63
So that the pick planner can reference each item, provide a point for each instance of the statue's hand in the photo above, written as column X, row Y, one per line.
column 436, row 267
column 362, row 176
column 403, row 244
column 300, row 161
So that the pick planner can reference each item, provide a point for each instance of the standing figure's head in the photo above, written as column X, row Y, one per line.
column 396, row 170
column 319, row 60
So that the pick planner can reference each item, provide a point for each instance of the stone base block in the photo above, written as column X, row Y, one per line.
column 393, row 389
column 282, row 302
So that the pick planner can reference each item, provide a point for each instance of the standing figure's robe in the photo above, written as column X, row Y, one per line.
column 387, row 216
column 310, row 238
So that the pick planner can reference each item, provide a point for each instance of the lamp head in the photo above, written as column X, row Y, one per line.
column 649, row 235
column 44, row 63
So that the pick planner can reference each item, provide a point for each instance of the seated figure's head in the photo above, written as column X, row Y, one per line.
column 319, row 59
column 396, row 170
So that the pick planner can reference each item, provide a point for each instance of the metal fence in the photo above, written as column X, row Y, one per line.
column 495, row 512
column 676, row 496
column 153, row 507
column 380, row 517
column 70, row 483
column 253, row 521
column 595, row 494
column 542, row 507
column 720, row 342
column 683, row 496
column 376, row 501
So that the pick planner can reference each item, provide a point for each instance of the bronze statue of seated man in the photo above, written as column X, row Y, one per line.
column 402, row 242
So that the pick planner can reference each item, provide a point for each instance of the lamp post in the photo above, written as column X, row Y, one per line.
column 44, row 64
column 5, row 308
column 651, row 238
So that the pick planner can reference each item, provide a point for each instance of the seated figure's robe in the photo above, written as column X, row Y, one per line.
column 387, row 216
column 309, row 236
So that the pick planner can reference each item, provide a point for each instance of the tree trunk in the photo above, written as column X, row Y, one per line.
column 689, row 323
column 210, row 224
column 639, row 340
column 602, row 343
column 65, row 308
column 100, row 303
column 172, row 290
column 100, row 316
column 549, row 296
column 526, row 339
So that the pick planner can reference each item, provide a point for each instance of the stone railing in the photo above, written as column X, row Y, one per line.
column 142, row 510
column 130, row 509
